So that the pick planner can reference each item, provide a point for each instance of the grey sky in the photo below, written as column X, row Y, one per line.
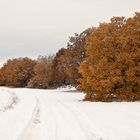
column 34, row 27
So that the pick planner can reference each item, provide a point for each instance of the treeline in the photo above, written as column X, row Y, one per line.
column 103, row 62
column 47, row 71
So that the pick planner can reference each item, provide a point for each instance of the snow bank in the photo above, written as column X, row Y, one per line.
column 7, row 99
column 67, row 88
column 14, row 121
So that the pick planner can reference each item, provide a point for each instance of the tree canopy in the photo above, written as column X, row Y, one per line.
column 112, row 69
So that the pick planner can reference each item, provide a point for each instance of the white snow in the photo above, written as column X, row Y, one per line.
column 7, row 99
column 62, row 115
column 67, row 88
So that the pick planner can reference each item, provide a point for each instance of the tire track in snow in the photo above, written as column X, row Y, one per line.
column 55, row 122
column 66, row 125
column 50, row 132
column 59, row 123
column 91, row 132
column 31, row 131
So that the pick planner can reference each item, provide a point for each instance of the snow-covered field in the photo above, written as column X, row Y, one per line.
column 31, row 114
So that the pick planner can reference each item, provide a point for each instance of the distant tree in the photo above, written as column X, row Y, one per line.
column 75, row 54
column 17, row 72
column 111, row 72
column 67, row 60
column 42, row 70
column 59, row 75
column 2, row 81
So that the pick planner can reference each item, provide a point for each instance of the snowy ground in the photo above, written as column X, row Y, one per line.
column 60, row 115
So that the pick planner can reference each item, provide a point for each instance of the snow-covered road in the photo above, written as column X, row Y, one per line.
column 32, row 130
column 67, row 122
column 61, row 115
column 54, row 119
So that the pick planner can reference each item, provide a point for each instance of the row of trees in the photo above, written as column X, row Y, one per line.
column 104, row 62
column 24, row 72
column 47, row 71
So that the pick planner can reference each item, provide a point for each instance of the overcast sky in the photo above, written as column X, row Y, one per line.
column 38, row 27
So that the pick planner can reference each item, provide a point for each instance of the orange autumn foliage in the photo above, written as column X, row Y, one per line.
column 17, row 72
column 42, row 73
column 111, row 71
